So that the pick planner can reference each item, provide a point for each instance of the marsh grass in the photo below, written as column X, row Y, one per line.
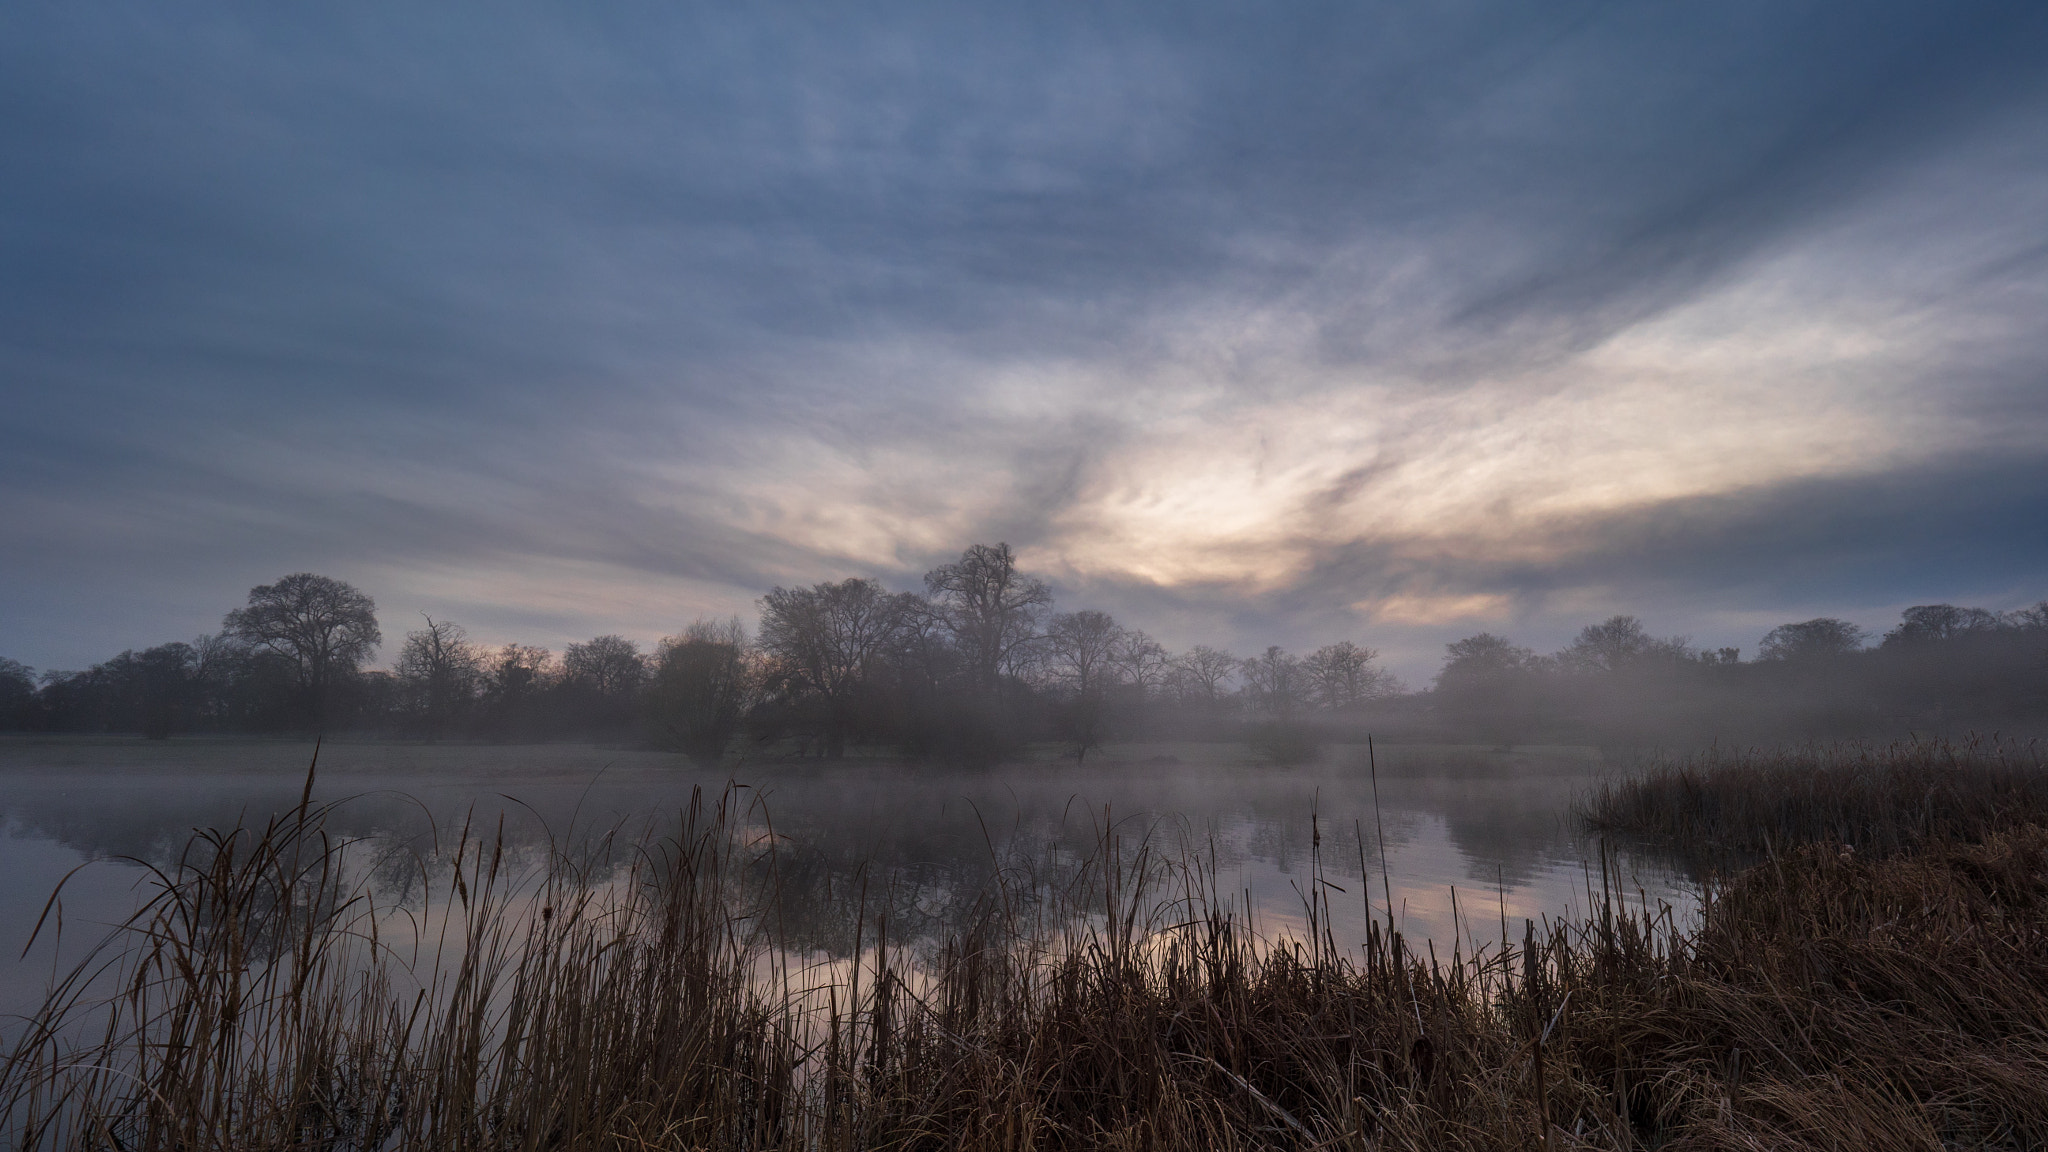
column 1740, row 807
column 265, row 999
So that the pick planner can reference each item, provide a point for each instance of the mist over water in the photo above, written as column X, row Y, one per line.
column 852, row 839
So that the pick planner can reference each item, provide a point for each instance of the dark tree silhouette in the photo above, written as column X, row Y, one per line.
column 1276, row 686
column 826, row 640
column 440, row 671
column 1081, row 656
column 1928, row 622
column 1482, row 659
column 325, row 628
column 703, row 683
column 1817, row 639
column 1618, row 643
column 1341, row 676
column 1201, row 675
column 991, row 609
column 611, row 666
column 17, row 693
column 1142, row 663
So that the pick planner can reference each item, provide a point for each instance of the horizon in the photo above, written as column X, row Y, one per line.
column 1406, row 680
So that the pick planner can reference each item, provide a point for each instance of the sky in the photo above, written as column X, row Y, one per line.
column 1252, row 324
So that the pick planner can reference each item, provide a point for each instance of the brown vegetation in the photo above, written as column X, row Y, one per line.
column 1825, row 999
column 1869, row 798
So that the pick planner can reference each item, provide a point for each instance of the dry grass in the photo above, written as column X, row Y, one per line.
column 1871, row 798
column 1824, row 1000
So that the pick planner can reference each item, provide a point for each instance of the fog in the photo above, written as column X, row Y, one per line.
column 910, row 752
column 921, row 843
column 984, row 664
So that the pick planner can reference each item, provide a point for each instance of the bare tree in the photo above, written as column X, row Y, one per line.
column 217, row 651
column 921, row 647
column 1082, row 649
column 2033, row 619
column 1275, row 684
column 826, row 639
column 1202, row 674
column 1276, row 687
column 324, row 627
column 1811, row 640
column 1491, row 686
column 1482, row 659
column 1081, row 655
column 991, row 609
column 516, row 672
column 1142, row 662
column 609, row 665
column 1618, row 643
column 703, row 683
column 226, row 674
column 1341, row 676
column 441, row 670
column 1925, row 622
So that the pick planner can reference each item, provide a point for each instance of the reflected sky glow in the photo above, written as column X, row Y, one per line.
column 924, row 842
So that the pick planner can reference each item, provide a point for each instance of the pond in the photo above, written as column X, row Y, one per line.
column 1472, row 840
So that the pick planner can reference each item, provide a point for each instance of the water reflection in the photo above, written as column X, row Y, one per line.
column 1485, row 830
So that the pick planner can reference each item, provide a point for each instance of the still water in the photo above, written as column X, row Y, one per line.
column 1486, row 832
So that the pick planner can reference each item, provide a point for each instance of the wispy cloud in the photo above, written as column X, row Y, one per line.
column 1387, row 322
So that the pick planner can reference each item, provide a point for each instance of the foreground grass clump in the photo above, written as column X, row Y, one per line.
column 1871, row 799
column 1822, row 1000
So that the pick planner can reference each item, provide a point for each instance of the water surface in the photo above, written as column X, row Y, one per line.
column 1484, row 831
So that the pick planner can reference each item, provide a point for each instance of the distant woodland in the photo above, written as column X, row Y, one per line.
column 981, row 663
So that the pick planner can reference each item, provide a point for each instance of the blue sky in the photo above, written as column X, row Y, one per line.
column 1251, row 324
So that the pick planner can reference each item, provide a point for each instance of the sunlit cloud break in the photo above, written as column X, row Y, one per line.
column 1374, row 323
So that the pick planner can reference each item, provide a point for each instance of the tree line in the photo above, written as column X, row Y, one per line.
column 1942, row 670
column 980, row 662
column 976, row 664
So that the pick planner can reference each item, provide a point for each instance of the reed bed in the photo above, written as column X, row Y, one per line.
column 1871, row 798
column 265, row 1000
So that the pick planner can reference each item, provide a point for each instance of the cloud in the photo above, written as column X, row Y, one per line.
column 1365, row 319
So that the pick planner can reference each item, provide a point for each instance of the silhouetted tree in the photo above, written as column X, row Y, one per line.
column 1276, row 686
column 1081, row 659
column 17, row 694
column 600, row 684
column 611, row 666
column 440, row 671
column 222, row 673
column 1933, row 622
column 245, row 688
column 1276, row 689
column 161, row 688
column 1142, row 663
column 1617, row 643
column 826, row 640
column 1817, row 639
column 926, row 697
column 325, row 628
column 1482, row 660
column 1341, row 676
column 703, row 683
column 517, row 678
column 1489, row 685
column 1202, row 675
column 991, row 609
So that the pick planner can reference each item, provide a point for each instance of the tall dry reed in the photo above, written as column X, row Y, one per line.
column 1873, row 798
